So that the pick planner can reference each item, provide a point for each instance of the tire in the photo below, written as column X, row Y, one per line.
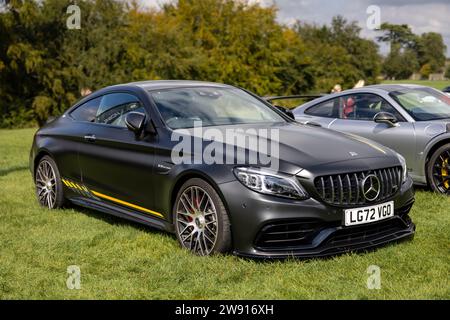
column 49, row 188
column 200, row 218
column 438, row 170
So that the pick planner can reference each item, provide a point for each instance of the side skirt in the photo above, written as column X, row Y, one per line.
column 123, row 213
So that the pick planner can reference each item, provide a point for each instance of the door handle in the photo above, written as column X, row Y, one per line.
column 312, row 123
column 90, row 137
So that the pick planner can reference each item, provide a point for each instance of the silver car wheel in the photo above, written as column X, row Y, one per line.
column 196, row 221
column 46, row 184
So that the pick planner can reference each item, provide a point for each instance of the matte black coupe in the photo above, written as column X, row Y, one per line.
column 114, row 152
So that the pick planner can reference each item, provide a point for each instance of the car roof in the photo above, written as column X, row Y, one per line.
column 147, row 86
column 392, row 87
column 169, row 84
column 381, row 89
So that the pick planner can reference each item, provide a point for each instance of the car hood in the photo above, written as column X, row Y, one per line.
column 300, row 146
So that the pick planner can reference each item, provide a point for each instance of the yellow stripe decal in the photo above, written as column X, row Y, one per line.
column 65, row 182
column 104, row 196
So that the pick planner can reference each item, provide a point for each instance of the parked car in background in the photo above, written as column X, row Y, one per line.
column 446, row 90
column 413, row 120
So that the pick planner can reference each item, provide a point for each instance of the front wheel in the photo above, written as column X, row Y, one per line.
column 438, row 170
column 201, row 220
column 49, row 189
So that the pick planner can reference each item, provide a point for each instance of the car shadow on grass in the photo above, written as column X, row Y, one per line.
column 114, row 220
column 4, row 172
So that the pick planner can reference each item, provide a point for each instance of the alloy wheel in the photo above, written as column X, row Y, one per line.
column 46, row 184
column 196, row 221
column 441, row 172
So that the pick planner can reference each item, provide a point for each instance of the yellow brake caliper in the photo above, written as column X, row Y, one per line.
column 444, row 173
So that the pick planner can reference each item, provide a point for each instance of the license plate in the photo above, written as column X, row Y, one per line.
column 369, row 214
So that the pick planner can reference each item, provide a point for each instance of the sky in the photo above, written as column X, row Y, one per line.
column 421, row 15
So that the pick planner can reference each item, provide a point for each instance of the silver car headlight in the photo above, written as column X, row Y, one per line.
column 404, row 167
column 270, row 183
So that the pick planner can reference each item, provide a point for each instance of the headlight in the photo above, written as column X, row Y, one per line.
column 404, row 167
column 268, row 183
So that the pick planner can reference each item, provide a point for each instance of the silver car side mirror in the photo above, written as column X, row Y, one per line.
column 387, row 118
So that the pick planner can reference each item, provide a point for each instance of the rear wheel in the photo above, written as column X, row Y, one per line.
column 201, row 220
column 438, row 170
column 49, row 189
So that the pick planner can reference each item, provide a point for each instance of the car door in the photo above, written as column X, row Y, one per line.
column 356, row 113
column 116, row 165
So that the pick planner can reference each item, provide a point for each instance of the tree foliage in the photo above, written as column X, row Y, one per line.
column 44, row 65
column 410, row 52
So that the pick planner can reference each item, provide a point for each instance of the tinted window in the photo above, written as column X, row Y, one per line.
column 325, row 109
column 87, row 111
column 114, row 108
column 364, row 107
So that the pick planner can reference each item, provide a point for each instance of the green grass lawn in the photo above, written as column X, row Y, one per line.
column 435, row 84
column 124, row 260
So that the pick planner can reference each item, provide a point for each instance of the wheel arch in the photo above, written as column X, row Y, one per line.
column 39, row 155
column 431, row 148
column 185, row 176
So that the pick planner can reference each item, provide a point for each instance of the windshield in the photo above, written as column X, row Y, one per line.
column 181, row 107
column 423, row 103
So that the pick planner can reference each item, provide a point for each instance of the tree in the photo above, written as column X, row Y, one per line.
column 431, row 51
column 338, row 54
column 447, row 72
column 398, row 36
column 44, row 65
column 400, row 65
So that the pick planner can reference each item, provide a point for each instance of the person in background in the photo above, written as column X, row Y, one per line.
column 359, row 84
column 85, row 92
column 337, row 88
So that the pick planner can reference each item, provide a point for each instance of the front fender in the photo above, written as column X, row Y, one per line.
column 436, row 140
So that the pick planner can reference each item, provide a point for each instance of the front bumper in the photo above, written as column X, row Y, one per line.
column 311, row 227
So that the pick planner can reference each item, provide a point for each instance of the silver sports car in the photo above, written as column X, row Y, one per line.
column 412, row 120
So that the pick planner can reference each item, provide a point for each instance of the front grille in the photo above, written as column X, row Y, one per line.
column 288, row 234
column 345, row 189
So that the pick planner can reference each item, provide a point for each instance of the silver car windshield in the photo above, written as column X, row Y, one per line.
column 183, row 107
column 423, row 104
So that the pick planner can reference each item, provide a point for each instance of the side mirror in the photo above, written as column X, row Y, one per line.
column 385, row 117
column 286, row 111
column 135, row 122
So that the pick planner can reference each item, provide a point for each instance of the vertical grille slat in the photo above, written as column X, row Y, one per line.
column 356, row 187
column 345, row 189
column 386, row 181
column 391, row 178
column 349, row 189
column 341, row 189
column 332, row 189
column 380, row 177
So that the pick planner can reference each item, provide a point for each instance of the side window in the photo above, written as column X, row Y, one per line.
column 327, row 109
column 87, row 111
column 114, row 108
column 364, row 106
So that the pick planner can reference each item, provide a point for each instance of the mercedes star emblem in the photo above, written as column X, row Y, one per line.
column 371, row 187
